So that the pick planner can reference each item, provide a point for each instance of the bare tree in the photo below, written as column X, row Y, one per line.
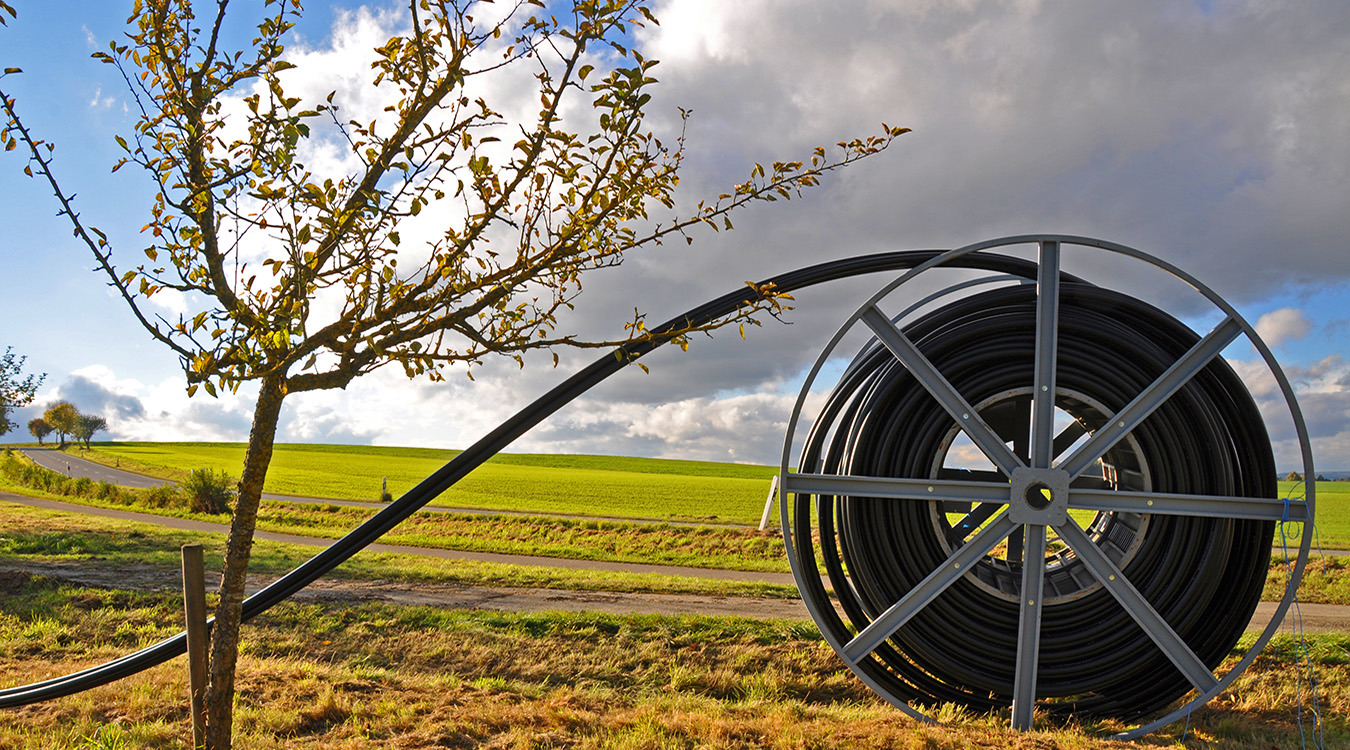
column 304, row 280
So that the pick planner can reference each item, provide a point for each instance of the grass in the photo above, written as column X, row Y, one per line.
column 646, row 543
column 375, row 675
column 1326, row 580
column 735, row 548
column 1333, row 513
column 42, row 536
column 49, row 536
column 621, row 487
column 565, row 485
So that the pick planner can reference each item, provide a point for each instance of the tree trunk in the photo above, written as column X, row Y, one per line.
column 225, row 632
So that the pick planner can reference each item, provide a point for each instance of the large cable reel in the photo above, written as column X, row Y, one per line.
column 1112, row 549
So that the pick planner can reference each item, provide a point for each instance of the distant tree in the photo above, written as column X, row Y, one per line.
column 15, row 390
column 87, row 425
column 39, row 428
column 1320, row 478
column 295, row 266
column 1293, row 476
column 64, row 419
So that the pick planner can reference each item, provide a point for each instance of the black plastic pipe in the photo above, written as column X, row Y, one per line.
column 505, row 433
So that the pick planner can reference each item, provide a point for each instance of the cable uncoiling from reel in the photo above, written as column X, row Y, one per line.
column 496, row 440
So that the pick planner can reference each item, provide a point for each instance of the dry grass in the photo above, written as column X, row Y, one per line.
column 651, row 543
column 1326, row 580
column 401, row 677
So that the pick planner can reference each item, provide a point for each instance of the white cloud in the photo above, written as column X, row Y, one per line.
column 138, row 411
column 99, row 101
column 1323, row 393
column 1209, row 135
column 171, row 301
column 1109, row 119
column 1283, row 325
column 738, row 428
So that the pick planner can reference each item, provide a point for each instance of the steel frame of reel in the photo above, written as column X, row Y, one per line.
column 1037, row 493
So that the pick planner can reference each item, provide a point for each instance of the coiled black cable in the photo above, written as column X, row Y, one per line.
column 1204, row 576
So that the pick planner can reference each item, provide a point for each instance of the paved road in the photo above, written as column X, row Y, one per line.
column 70, row 464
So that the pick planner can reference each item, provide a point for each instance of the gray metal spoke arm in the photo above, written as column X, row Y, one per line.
column 1047, row 345
column 918, row 365
column 972, row 520
column 896, row 489
column 1209, row 506
column 1137, row 606
column 1029, row 628
column 1067, row 437
column 1171, row 381
column 928, row 589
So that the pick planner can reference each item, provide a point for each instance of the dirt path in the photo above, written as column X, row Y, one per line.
column 1313, row 617
column 447, row 596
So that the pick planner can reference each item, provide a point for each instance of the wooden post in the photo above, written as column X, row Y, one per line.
column 194, row 613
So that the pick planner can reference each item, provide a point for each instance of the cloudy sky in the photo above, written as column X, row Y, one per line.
column 1211, row 134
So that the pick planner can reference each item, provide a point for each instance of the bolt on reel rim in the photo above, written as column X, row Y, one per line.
column 1043, row 486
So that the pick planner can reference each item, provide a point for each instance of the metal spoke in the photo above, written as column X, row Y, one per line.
column 1047, row 345
column 972, row 520
column 1180, row 373
column 918, row 365
column 1021, row 429
column 928, row 589
column 895, row 489
column 968, row 475
column 1209, row 506
column 1137, row 606
column 1014, row 554
column 1029, row 628
column 1067, row 437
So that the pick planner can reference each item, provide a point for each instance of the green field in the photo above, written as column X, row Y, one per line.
column 1333, row 516
column 554, row 484
column 622, row 487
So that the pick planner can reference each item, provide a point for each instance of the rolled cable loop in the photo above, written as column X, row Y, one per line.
column 1203, row 575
